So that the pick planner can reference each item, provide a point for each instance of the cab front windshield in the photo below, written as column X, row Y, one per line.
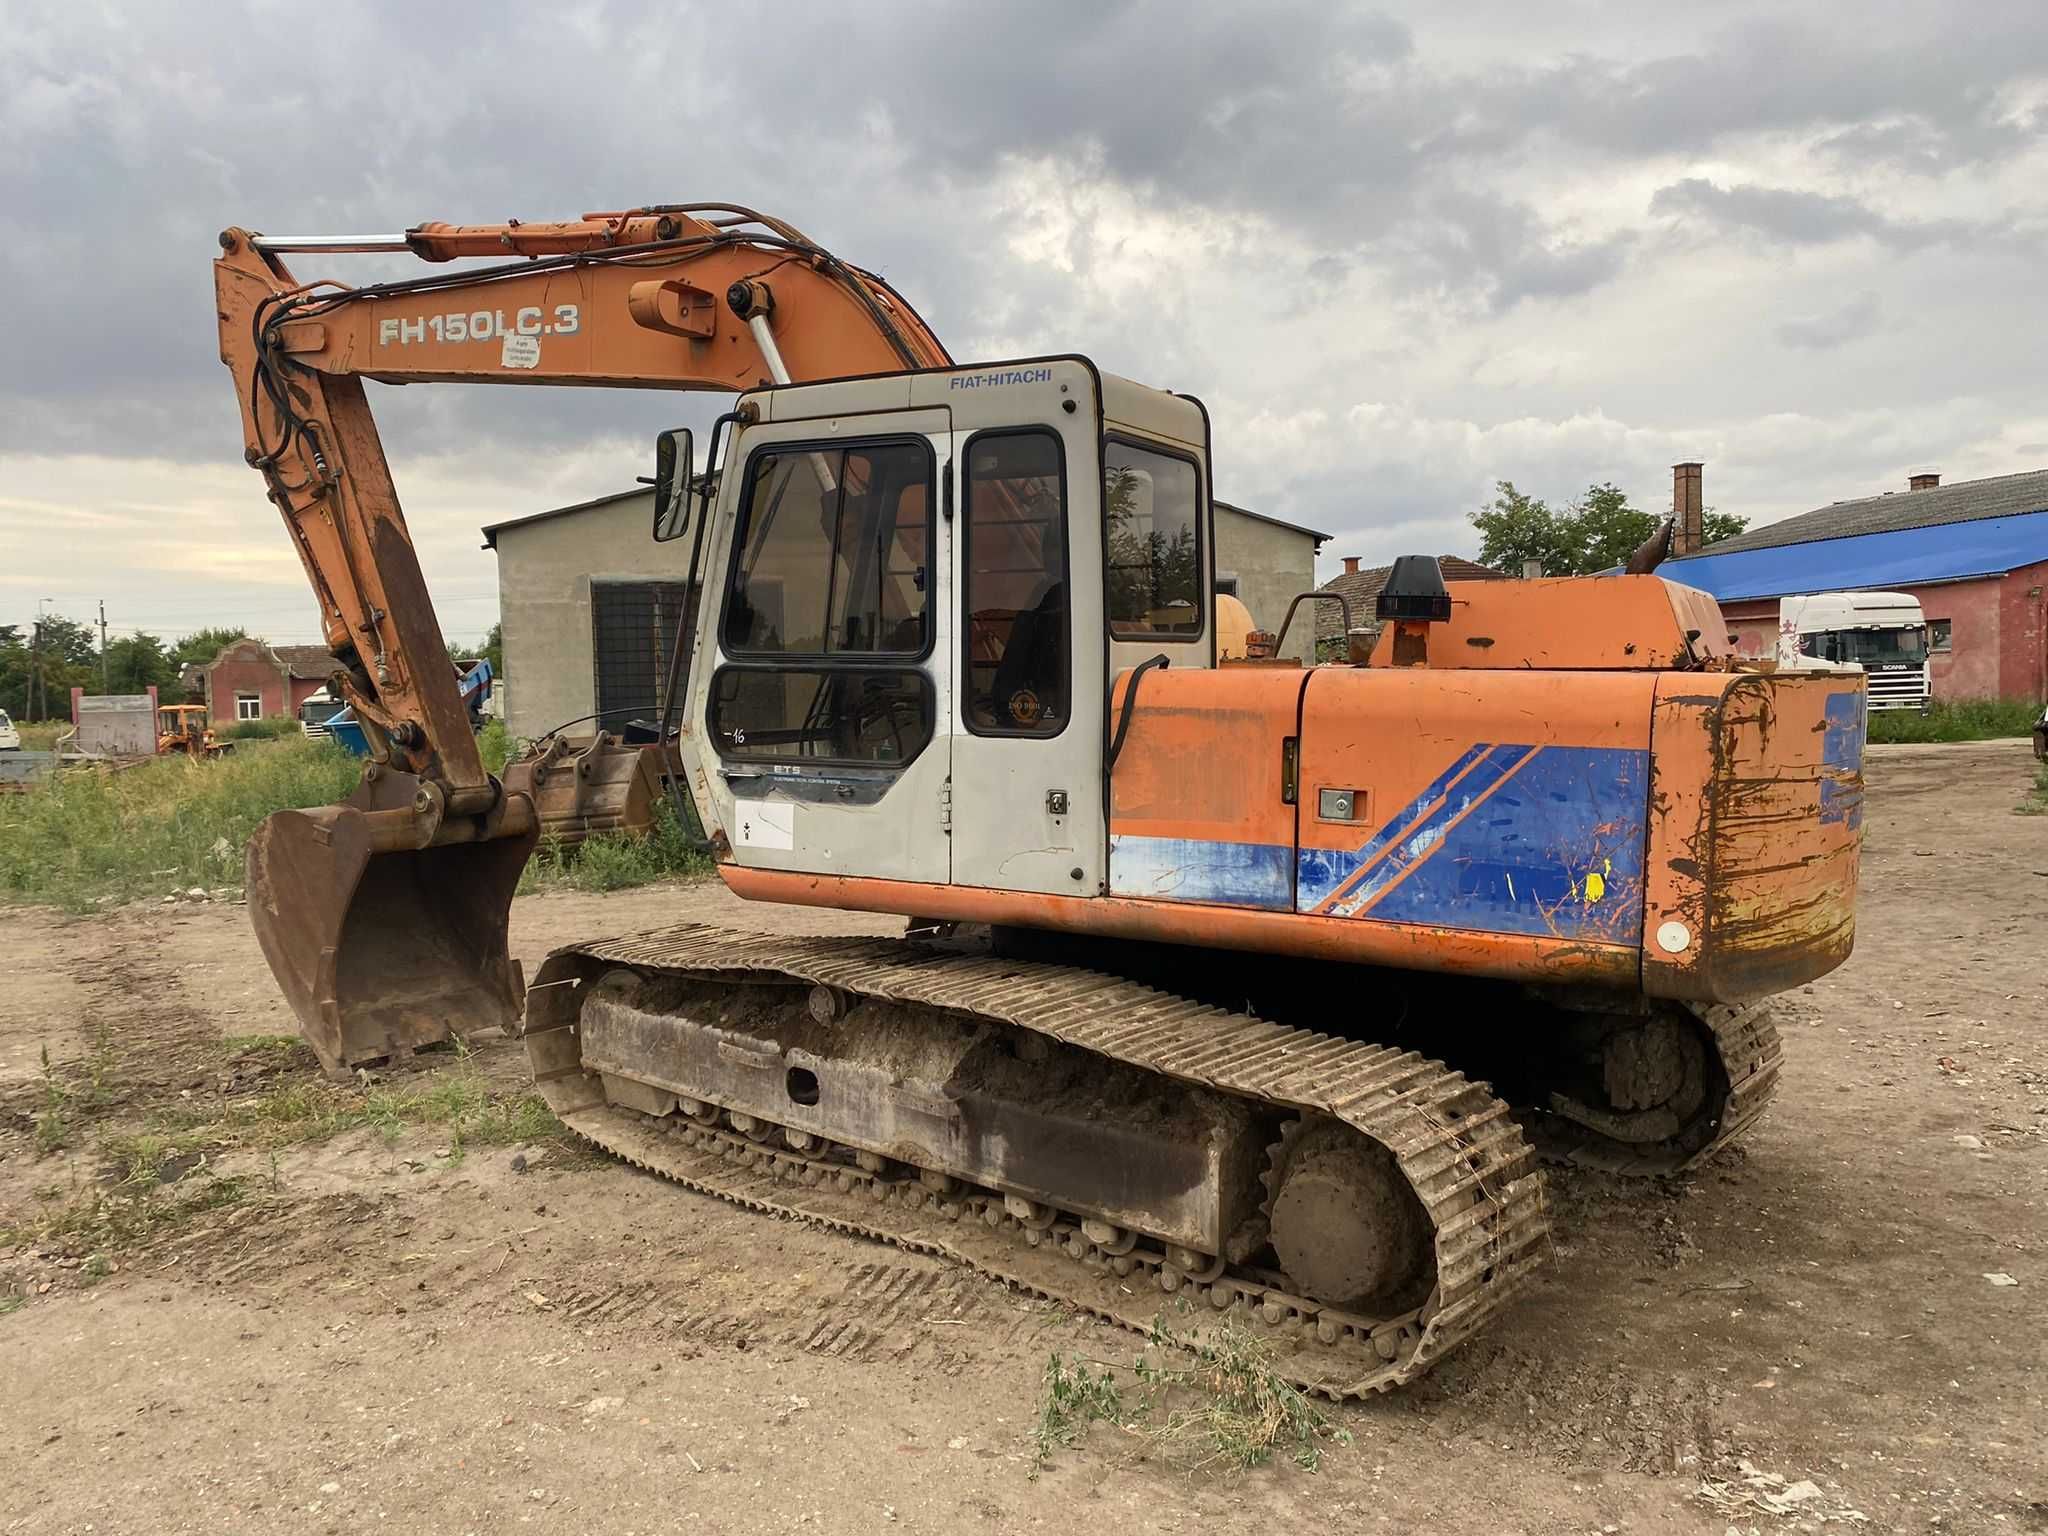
column 1869, row 647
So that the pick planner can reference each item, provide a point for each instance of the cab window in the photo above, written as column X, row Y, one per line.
column 832, row 554
column 1017, row 664
column 1152, row 504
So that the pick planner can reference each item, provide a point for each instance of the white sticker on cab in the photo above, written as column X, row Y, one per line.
column 764, row 823
column 520, row 352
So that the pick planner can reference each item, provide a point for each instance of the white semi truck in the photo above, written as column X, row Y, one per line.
column 1883, row 634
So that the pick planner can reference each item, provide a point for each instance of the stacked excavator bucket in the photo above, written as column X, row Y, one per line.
column 579, row 789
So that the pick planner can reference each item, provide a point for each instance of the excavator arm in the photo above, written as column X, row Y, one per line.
column 384, row 918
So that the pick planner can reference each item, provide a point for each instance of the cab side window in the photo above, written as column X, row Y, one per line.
column 1152, row 504
column 1018, row 660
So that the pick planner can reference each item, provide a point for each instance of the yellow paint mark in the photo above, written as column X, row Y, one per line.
column 1596, row 885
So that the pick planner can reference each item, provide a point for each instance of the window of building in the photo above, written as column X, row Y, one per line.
column 633, row 627
column 248, row 706
column 1015, row 555
column 1937, row 635
column 831, row 557
column 870, row 717
column 1152, row 504
column 1226, row 583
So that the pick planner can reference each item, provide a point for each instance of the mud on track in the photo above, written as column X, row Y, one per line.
column 379, row 1328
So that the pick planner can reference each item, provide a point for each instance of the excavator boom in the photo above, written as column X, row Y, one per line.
column 384, row 917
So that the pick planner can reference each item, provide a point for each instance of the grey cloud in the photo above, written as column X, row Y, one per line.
column 1832, row 328
column 1798, row 217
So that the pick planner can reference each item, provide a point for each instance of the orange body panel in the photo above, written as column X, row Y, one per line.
column 1573, row 623
column 1757, row 810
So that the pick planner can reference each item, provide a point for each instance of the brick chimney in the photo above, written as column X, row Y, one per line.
column 1923, row 480
column 1688, row 511
column 1351, row 565
column 1532, row 570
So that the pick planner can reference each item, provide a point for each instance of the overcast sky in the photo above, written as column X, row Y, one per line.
column 1401, row 252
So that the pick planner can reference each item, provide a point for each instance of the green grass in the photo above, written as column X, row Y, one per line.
column 42, row 736
column 1211, row 1399
column 2036, row 803
column 1956, row 720
column 269, row 728
column 613, row 861
column 496, row 744
column 166, row 825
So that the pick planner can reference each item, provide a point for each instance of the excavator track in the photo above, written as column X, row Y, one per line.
column 1462, row 1153
column 1742, row 1079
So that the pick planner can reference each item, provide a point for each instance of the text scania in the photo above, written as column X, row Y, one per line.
column 1006, row 376
column 481, row 325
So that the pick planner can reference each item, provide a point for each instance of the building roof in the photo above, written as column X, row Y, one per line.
column 1317, row 534
column 1904, row 557
column 1907, row 538
column 492, row 530
column 306, row 661
column 1361, row 588
column 1967, row 501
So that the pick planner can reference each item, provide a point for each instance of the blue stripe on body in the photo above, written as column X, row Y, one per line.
column 1198, row 869
column 1324, row 870
column 1520, row 863
column 1422, row 839
column 1841, row 756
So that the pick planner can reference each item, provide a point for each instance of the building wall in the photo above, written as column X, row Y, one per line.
column 1998, row 633
column 245, row 667
column 545, row 570
column 1272, row 565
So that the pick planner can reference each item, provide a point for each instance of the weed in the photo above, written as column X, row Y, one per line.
column 1073, row 1398
column 1228, row 1405
column 13, row 1301
column 612, row 861
column 2036, row 803
column 109, row 1220
column 269, row 728
column 1244, row 1409
column 98, row 1267
column 1956, row 720
column 53, row 1120
column 91, row 837
column 496, row 745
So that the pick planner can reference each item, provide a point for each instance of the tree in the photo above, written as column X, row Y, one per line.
column 1598, row 532
column 138, row 663
column 491, row 648
column 203, row 646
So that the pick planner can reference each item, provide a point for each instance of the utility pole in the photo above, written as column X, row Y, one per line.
column 103, row 645
column 35, row 669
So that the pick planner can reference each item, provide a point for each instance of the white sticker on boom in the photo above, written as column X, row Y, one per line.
column 764, row 823
column 521, row 352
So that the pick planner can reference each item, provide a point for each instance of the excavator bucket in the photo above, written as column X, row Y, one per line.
column 383, row 949
column 605, row 785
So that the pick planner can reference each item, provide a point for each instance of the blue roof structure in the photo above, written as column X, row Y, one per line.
column 1901, row 557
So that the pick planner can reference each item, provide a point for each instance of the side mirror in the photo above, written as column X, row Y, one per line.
column 672, row 465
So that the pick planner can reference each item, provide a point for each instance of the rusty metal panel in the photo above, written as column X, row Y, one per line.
column 1755, row 834
column 1198, row 804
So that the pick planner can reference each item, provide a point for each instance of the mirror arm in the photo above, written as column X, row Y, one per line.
column 678, row 680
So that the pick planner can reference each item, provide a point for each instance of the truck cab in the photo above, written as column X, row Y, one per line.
column 1881, row 634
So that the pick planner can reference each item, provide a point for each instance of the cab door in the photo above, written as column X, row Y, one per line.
column 824, row 686
column 1027, row 790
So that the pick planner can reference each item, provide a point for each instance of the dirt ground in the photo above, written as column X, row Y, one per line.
column 384, row 1335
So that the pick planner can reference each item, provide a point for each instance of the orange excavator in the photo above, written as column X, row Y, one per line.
column 1228, row 984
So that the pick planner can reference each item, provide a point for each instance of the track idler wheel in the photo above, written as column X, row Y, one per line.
column 1345, row 1225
